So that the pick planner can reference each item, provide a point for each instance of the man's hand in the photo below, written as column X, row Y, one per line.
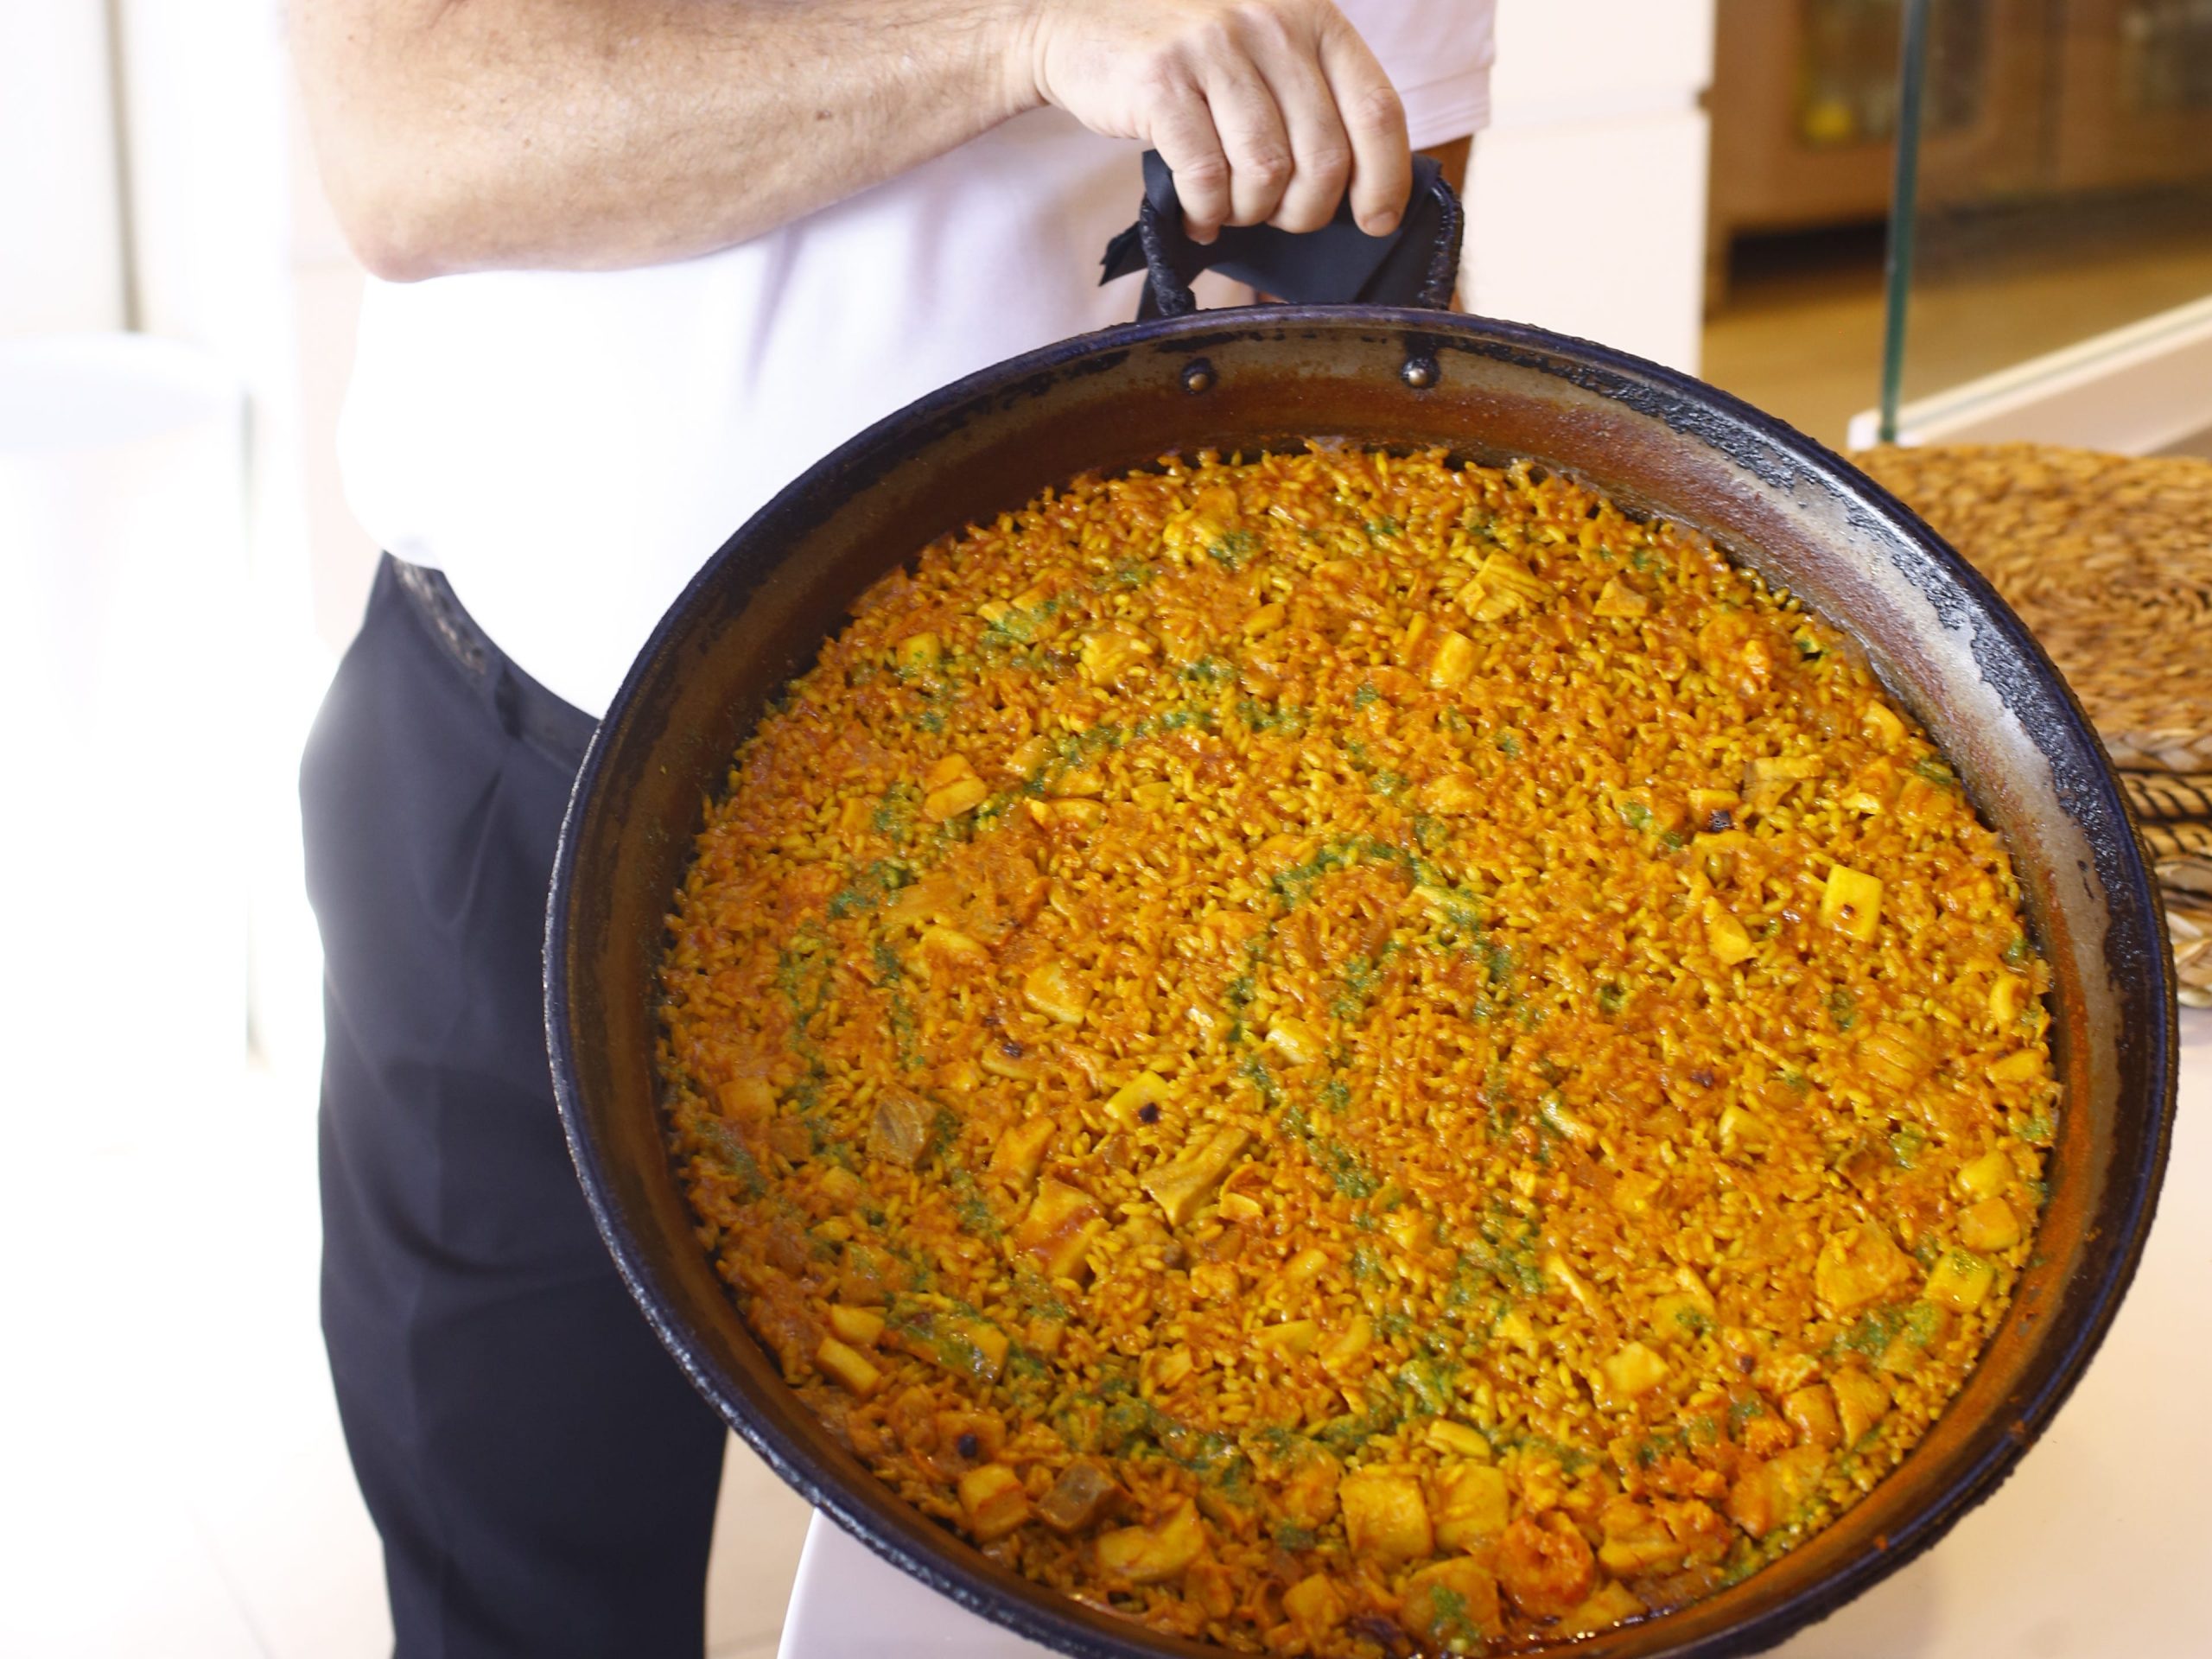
column 476, row 135
column 1266, row 109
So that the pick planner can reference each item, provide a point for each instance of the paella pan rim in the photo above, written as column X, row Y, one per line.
column 1764, row 1608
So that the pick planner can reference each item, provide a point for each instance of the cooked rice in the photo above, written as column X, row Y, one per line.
column 1281, row 1045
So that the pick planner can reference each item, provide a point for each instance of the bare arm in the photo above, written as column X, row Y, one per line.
column 460, row 135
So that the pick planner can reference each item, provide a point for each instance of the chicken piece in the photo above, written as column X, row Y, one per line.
column 1062, row 1224
column 1895, row 1056
column 1859, row 1267
column 1084, row 1495
column 1637, row 1542
column 1631, row 1373
column 1386, row 1518
column 1607, row 1606
column 1150, row 1555
column 1453, row 662
column 1054, row 991
column 1181, row 1187
column 1811, row 1411
column 1470, row 1504
column 993, row 1502
column 1616, row 598
column 1451, row 1607
column 1862, row 1400
column 1310, row 1488
column 899, row 1131
column 1545, row 1565
column 1768, row 1494
column 1021, row 1151
column 1314, row 1604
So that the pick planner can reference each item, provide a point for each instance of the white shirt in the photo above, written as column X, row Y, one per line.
column 570, row 446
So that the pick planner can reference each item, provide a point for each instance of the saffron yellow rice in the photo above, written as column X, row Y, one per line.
column 1345, row 1054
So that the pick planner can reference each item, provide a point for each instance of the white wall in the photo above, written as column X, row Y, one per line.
column 60, row 252
column 1586, row 196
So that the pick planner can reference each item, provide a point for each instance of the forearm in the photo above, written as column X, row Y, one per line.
column 458, row 135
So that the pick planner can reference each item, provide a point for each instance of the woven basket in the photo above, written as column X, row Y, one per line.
column 2108, row 559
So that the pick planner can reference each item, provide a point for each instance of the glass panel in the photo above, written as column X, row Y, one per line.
column 2077, row 202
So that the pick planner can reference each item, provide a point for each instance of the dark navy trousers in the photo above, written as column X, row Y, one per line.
column 542, row 1474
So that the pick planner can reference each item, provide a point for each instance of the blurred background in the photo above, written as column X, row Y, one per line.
column 1708, row 182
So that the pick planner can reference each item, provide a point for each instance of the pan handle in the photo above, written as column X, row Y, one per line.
column 1416, row 265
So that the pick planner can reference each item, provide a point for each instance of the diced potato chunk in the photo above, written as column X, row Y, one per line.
column 1852, row 902
column 1859, row 1267
column 1634, row 1371
column 1862, row 1400
column 1021, row 1151
column 1296, row 1041
column 1314, row 1603
column 1385, row 1517
column 992, row 1500
column 1306, row 1263
column 918, row 651
column 848, row 1366
column 1181, row 1187
column 2021, row 1066
column 1451, row 1607
column 1811, row 1411
column 1989, row 1225
column 1054, row 991
column 1290, row 1336
column 1458, row 1439
column 1145, row 1088
column 1058, row 1229
column 1470, row 1504
column 1960, row 1280
column 1727, row 938
column 858, row 1325
column 1150, row 1555
column 839, row 1186
column 1084, row 1495
column 950, row 944
column 1767, row 1495
column 1453, row 662
column 1986, row 1176
column 1618, row 599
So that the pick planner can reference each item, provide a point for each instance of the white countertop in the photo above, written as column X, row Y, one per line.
column 2097, row 1545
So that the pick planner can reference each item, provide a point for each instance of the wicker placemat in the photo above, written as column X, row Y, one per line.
column 2108, row 559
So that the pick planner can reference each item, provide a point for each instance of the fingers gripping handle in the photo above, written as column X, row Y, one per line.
column 1339, row 264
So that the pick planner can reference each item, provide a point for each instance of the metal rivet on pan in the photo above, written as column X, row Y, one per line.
column 1198, row 376
column 1420, row 372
